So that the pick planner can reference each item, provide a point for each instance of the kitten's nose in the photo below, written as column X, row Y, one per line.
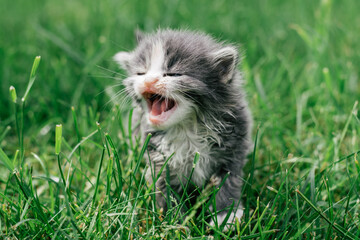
column 150, row 82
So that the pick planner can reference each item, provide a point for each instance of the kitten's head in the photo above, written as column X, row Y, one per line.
column 175, row 74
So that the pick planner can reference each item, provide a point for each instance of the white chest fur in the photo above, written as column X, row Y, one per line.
column 185, row 140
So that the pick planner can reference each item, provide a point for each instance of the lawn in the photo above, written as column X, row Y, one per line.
column 301, row 63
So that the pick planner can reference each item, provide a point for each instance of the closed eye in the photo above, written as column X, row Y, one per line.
column 172, row 74
column 140, row 73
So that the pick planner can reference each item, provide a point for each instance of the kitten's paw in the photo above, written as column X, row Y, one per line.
column 215, row 180
column 230, row 221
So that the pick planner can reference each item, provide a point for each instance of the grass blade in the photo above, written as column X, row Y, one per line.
column 58, row 136
column 98, row 177
column 6, row 161
column 117, row 161
column 13, row 95
column 32, row 77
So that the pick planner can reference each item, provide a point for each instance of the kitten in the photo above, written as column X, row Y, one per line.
column 187, row 90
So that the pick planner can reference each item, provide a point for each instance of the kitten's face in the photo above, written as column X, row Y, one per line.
column 170, row 73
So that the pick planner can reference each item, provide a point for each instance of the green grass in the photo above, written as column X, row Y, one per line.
column 301, row 63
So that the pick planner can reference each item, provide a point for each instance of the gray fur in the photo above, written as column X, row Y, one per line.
column 221, row 119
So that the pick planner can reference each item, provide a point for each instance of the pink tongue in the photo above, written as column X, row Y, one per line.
column 161, row 105
column 156, row 107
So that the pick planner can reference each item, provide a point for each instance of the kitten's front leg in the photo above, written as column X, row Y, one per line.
column 228, row 194
column 160, row 194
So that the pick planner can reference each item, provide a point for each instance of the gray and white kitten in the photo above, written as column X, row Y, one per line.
column 187, row 91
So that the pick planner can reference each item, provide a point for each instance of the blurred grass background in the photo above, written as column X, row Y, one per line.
column 74, row 37
column 286, row 46
column 301, row 61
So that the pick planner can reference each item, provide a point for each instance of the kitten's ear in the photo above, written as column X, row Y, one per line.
column 225, row 61
column 123, row 59
column 139, row 35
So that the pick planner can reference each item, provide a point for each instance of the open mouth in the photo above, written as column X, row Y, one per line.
column 160, row 108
